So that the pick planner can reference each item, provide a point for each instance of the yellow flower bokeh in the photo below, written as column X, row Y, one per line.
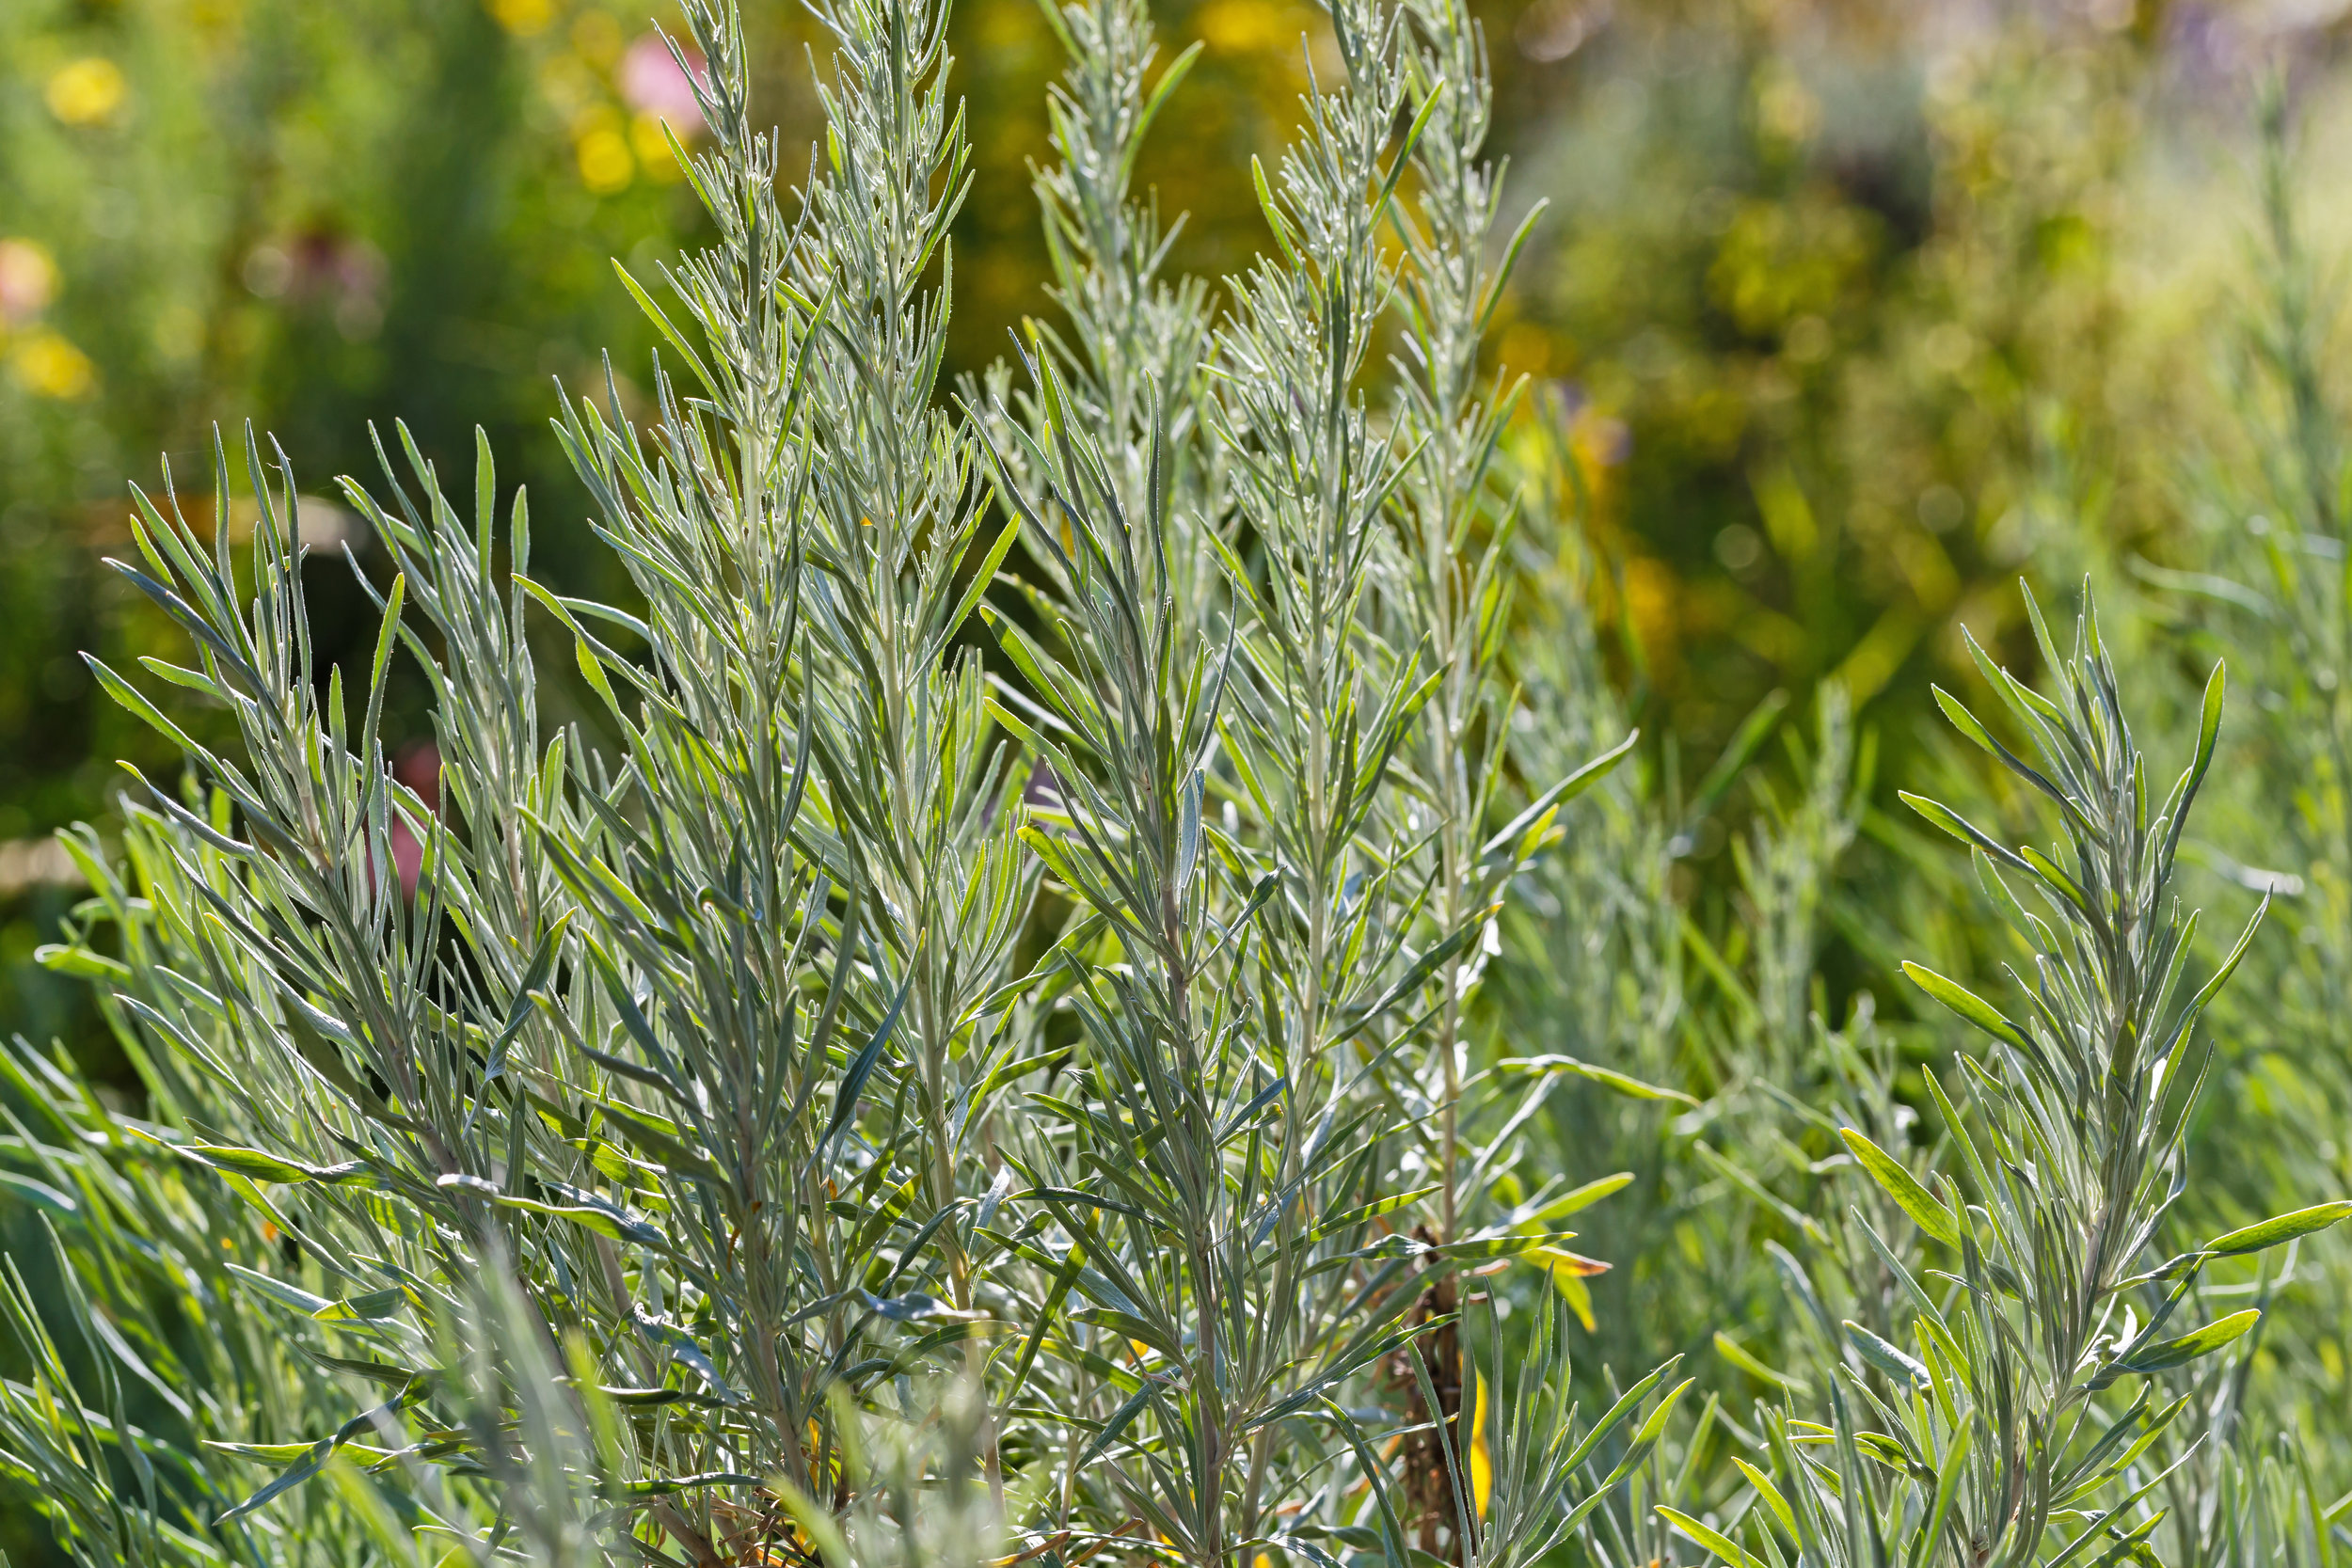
column 523, row 17
column 1249, row 26
column 50, row 367
column 652, row 149
column 606, row 164
column 597, row 37
column 87, row 91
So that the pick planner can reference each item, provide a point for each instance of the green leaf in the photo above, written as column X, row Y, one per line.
column 1886, row 1357
column 1948, row 1480
column 373, row 1306
column 271, row 1453
column 2189, row 1346
column 193, row 680
column 1626, row 1402
column 279, row 1291
column 386, row 632
column 1272, row 210
column 1951, row 821
column 611, row 1224
column 604, row 1223
column 316, row 1455
column 1369, row 1212
column 1161, row 90
column 1967, row 1004
column 1964, row 720
column 2279, row 1228
column 663, row 324
column 40, row 1194
column 1765, row 1490
column 80, row 962
column 2208, row 731
column 1645, row 1438
column 129, row 697
column 1608, row 1077
column 255, row 1165
column 1582, row 1197
column 1707, row 1536
column 1418, row 972
column 662, row 1487
column 1515, row 832
column 983, row 575
column 1912, row 1199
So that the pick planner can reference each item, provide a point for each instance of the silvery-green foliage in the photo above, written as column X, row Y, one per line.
column 2269, row 496
column 127, row 1420
column 1524, row 1447
column 1320, row 702
column 1733, row 1147
column 1138, row 345
column 699, row 1102
column 1784, row 868
column 1455, row 530
column 1218, row 806
column 1594, row 917
column 1793, row 1092
column 917, row 1476
column 2010, row 1424
column 2270, row 500
column 915, row 804
column 2231, row 1495
column 2256, row 1506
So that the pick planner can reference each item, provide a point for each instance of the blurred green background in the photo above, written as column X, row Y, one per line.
column 1860, row 309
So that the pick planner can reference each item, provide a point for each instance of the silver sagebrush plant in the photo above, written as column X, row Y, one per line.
column 972, row 1047
column 2019, row 1417
column 836, row 1103
column 2270, row 497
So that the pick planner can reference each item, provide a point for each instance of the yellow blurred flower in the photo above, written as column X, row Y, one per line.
column 653, row 149
column 523, row 17
column 598, row 39
column 85, row 91
column 1650, row 594
column 213, row 18
column 1524, row 348
column 1247, row 27
column 605, row 163
column 28, row 280
column 50, row 366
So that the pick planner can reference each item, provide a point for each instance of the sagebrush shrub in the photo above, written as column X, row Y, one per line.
column 964, row 1048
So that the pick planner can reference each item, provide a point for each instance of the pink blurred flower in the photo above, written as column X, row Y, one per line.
column 28, row 280
column 651, row 83
column 419, row 767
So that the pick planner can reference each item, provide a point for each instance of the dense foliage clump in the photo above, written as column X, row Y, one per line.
column 984, row 1016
